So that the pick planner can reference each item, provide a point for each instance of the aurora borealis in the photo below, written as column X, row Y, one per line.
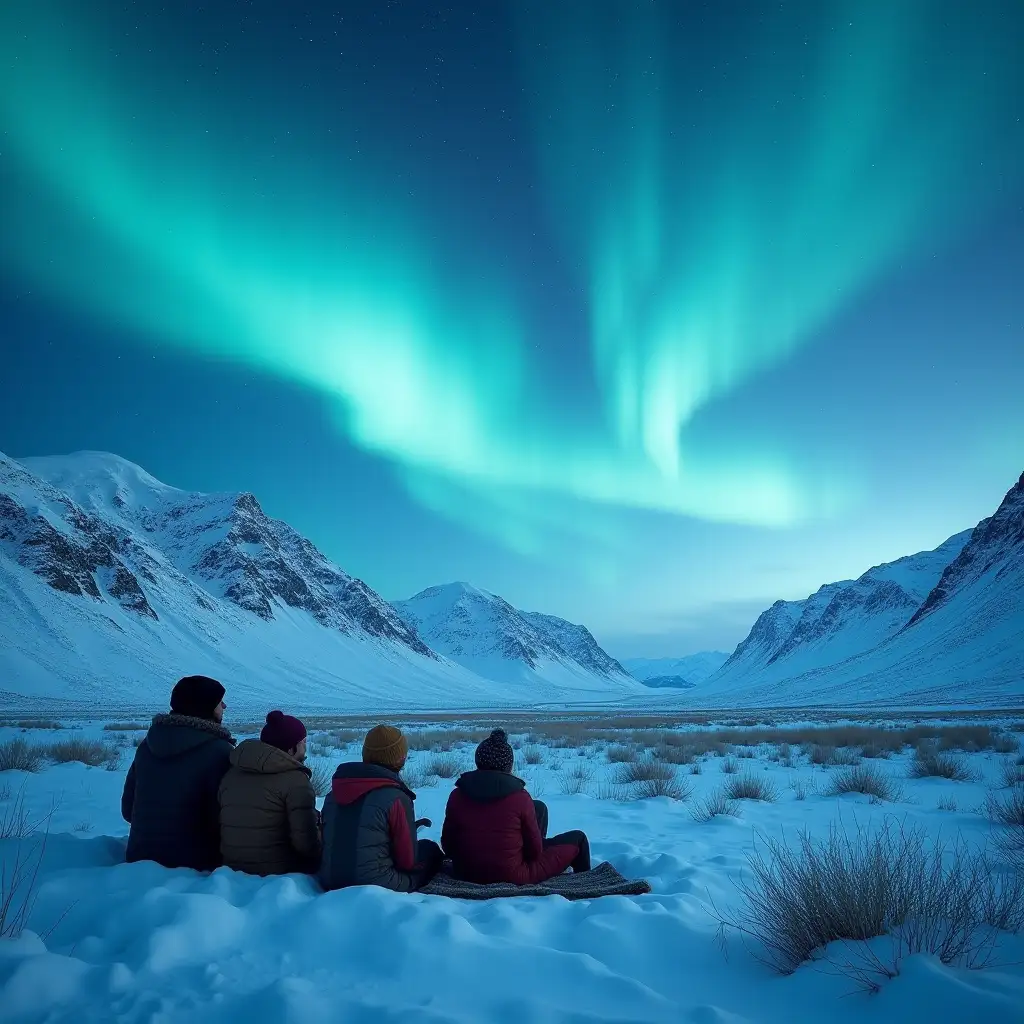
column 541, row 265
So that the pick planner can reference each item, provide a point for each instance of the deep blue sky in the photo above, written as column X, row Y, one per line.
column 641, row 314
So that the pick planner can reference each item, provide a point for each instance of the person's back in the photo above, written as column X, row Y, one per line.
column 170, row 793
column 495, row 832
column 369, row 827
column 268, row 819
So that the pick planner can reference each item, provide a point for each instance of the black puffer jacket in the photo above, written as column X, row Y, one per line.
column 370, row 831
column 170, row 794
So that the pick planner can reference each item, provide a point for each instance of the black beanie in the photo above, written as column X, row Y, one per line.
column 495, row 753
column 196, row 696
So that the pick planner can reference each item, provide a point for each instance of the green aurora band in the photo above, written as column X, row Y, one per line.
column 712, row 238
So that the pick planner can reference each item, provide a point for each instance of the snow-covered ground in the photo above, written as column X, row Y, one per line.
column 109, row 941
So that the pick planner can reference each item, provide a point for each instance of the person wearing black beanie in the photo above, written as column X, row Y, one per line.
column 198, row 697
column 170, row 793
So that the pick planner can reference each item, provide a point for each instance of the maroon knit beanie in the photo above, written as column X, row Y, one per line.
column 283, row 731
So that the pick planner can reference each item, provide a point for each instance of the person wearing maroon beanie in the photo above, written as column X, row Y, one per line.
column 269, row 823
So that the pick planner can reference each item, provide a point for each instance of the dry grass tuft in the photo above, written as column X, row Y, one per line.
column 1012, row 773
column 93, row 753
column 18, row 755
column 928, row 897
column 931, row 762
column 622, row 754
column 865, row 779
column 751, row 787
column 715, row 805
column 443, row 766
column 576, row 779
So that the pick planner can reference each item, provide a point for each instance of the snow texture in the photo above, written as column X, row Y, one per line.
column 130, row 943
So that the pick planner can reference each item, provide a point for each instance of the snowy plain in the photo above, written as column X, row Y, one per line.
column 109, row 941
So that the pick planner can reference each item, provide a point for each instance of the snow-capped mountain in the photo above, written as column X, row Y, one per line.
column 841, row 619
column 689, row 670
column 928, row 627
column 113, row 584
column 485, row 633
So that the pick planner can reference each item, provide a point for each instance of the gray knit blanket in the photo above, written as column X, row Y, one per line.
column 602, row 880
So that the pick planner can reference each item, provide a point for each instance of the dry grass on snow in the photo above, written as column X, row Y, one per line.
column 927, row 896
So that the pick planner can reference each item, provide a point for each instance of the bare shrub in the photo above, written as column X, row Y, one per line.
column 730, row 765
column 675, row 754
column 819, row 753
column 865, row 779
column 444, row 766
column 649, row 777
column 746, row 752
column 415, row 778
column 37, row 723
column 18, row 755
column 930, row 762
column 1008, row 810
column 124, row 727
column 801, row 787
column 443, row 741
column 946, row 803
column 19, row 870
column 622, row 754
column 321, row 777
column 713, row 805
column 784, row 752
column 751, row 787
column 576, row 779
column 1004, row 743
column 696, row 768
column 844, row 757
column 93, row 753
column 82, row 826
column 932, row 898
column 611, row 791
column 1011, row 774
column 533, row 755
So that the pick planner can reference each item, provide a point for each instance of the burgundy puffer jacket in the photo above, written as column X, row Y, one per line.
column 491, row 834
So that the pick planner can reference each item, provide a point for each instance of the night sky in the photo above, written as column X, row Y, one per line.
column 644, row 314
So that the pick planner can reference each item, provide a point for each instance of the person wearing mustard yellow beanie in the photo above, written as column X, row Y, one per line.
column 369, row 821
column 387, row 747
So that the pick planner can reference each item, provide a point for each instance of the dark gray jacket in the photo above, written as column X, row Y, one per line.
column 170, row 794
column 370, row 831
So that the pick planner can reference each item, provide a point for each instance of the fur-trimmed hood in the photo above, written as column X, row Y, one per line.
column 171, row 735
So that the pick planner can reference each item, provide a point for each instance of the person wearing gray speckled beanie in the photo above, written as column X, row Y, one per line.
column 494, row 831
column 495, row 753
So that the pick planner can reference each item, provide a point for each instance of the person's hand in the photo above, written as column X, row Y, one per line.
column 423, row 823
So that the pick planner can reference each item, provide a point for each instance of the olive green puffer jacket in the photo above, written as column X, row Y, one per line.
column 269, row 824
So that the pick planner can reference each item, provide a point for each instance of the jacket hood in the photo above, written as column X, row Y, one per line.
column 354, row 779
column 172, row 735
column 265, row 759
column 485, row 786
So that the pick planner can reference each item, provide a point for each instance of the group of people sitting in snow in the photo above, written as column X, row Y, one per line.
column 195, row 799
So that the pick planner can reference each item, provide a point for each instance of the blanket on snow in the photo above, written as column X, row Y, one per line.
column 602, row 880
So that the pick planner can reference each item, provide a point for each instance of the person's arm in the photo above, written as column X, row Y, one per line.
column 449, row 829
column 533, row 841
column 219, row 764
column 303, row 821
column 128, row 795
column 403, row 846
